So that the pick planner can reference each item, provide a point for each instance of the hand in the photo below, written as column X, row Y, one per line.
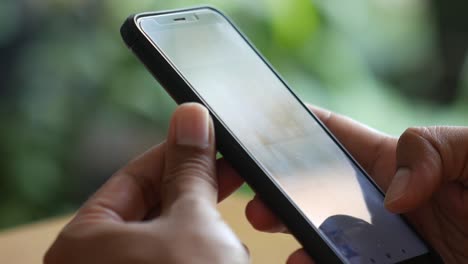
column 425, row 175
column 161, row 207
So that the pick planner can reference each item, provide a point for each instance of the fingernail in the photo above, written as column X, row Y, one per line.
column 192, row 126
column 399, row 186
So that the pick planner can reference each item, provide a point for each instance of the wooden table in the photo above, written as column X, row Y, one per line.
column 27, row 244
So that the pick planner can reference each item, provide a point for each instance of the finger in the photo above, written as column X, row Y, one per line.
column 189, row 173
column 128, row 195
column 261, row 218
column 373, row 150
column 299, row 257
column 228, row 179
column 426, row 158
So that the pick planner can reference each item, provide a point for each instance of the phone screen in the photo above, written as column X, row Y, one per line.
column 286, row 141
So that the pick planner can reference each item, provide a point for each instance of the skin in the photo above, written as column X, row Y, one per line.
column 160, row 208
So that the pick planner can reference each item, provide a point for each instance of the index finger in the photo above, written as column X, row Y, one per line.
column 373, row 150
column 131, row 193
column 134, row 191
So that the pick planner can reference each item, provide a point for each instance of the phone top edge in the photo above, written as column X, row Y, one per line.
column 129, row 29
column 138, row 16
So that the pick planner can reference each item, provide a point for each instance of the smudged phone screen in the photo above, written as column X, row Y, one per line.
column 283, row 137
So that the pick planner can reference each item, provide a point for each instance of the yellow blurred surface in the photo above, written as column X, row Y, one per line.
column 27, row 244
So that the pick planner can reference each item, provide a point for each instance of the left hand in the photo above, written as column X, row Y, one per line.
column 161, row 207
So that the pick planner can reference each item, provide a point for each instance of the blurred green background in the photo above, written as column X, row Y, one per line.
column 75, row 104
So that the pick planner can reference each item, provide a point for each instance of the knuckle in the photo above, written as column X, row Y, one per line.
column 414, row 132
column 434, row 135
column 192, row 169
column 437, row 149
column 416, row 136
column 194, row 164
column 420, row 144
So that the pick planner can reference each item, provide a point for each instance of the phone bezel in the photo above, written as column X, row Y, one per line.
column 280, row 203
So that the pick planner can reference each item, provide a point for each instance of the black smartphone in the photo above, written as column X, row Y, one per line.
column 296, row 166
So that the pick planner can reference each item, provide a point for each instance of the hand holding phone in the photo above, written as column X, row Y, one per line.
column 127, row 240
column 380, row 155
column 298, row 168
column 153, row 209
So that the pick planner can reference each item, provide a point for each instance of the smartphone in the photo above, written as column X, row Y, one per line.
column 296, row 166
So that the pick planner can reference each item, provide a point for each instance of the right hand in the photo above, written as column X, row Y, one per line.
column 159, row 208
column 424, row 173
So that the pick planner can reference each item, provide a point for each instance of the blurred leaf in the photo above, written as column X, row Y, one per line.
column 293, row 22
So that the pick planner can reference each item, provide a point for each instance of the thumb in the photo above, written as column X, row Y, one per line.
column 427, row 158
column 189, row 172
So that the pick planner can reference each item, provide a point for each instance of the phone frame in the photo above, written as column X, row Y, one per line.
column 270, row 193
